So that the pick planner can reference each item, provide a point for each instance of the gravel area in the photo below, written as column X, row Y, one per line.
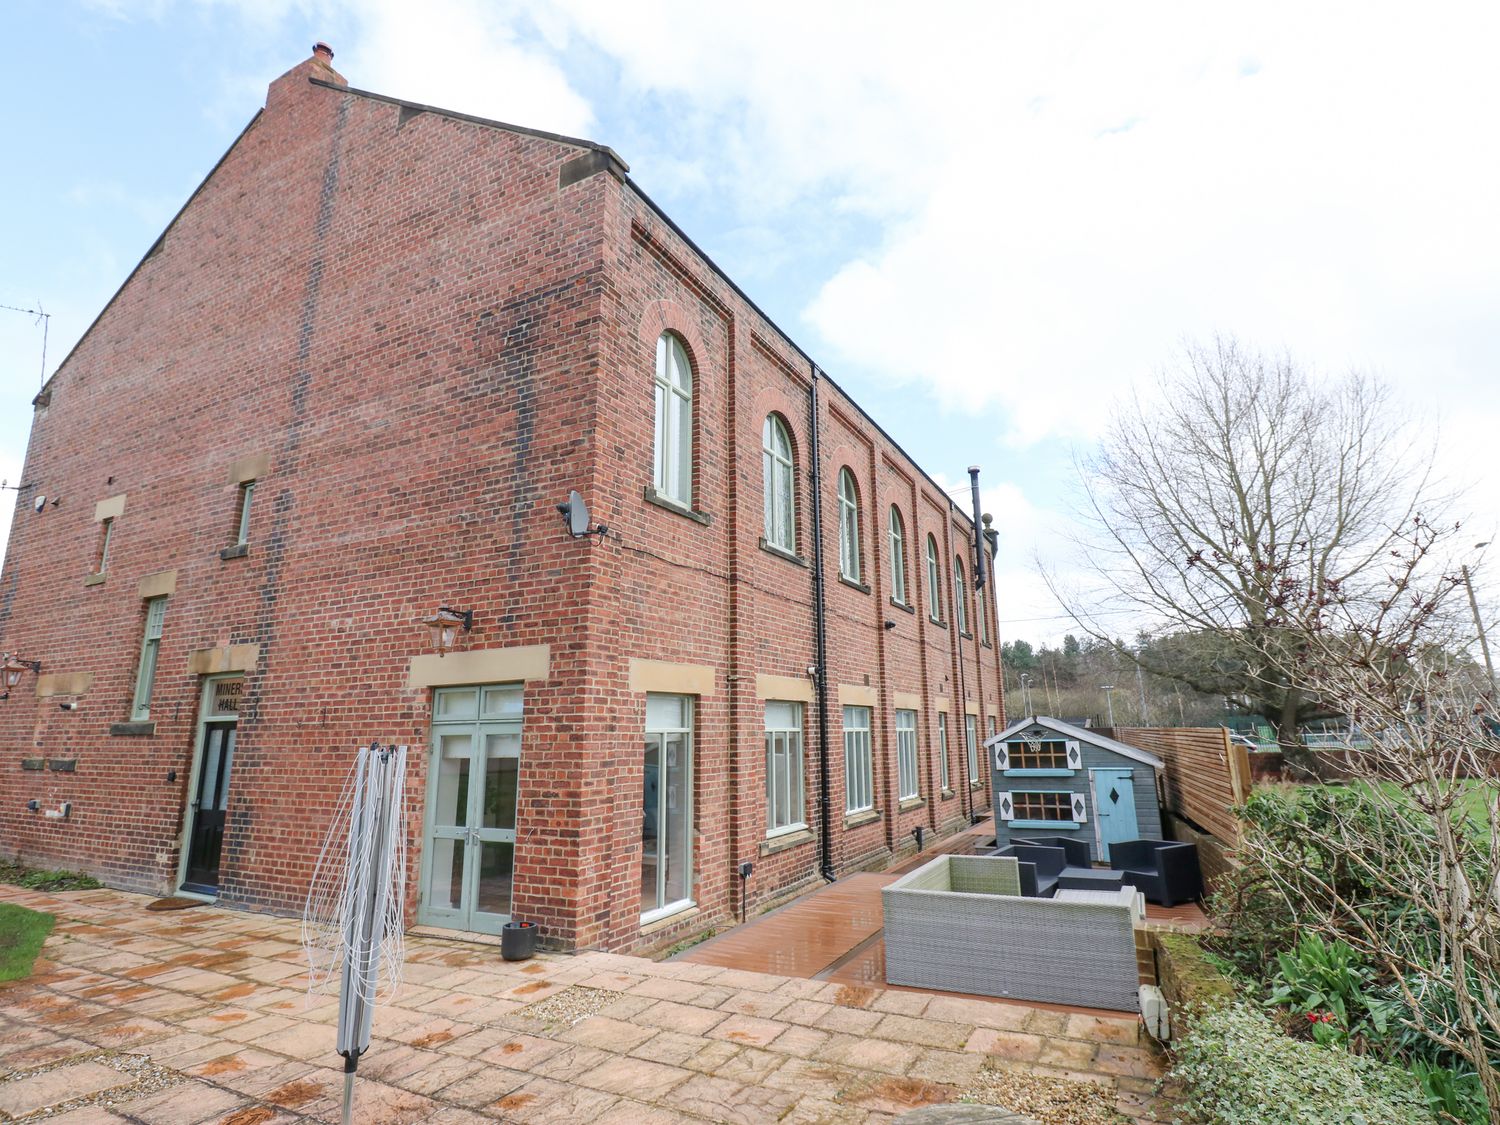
column 567, row 1007
column 1052, row 1101
column 149, row 1078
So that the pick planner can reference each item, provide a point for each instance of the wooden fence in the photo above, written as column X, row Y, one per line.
column 1206, row 774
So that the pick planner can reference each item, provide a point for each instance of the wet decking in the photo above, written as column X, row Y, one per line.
column 836, row 932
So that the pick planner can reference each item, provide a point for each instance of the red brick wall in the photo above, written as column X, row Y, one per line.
column 433, row 342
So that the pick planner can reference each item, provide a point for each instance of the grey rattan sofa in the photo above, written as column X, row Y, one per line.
column 960, row 924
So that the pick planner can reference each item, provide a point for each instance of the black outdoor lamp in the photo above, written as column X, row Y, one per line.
column 445, row 624
column 14, row 668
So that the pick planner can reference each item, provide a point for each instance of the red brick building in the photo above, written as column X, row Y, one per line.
column 350, row 384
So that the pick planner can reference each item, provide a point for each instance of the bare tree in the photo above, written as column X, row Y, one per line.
column 1242, row 479
column 1407, row 870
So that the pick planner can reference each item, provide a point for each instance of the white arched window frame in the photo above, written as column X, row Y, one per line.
column 777, row 464
column 934, row 582
column 898, row 556
column 674, row 421
column 849, row 561
column 960, row 597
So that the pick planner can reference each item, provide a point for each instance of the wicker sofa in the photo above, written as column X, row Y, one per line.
column 959, row 924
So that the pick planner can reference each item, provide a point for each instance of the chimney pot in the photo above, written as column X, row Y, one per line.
column 323, row 51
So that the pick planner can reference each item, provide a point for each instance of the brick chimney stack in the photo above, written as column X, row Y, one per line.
column 323, row 53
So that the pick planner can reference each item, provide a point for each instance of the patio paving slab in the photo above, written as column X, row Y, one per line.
column 474, row 1038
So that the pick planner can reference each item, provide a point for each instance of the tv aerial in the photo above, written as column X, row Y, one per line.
column 575, row 514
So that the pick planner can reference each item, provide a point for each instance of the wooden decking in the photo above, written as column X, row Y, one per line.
column 835, row 933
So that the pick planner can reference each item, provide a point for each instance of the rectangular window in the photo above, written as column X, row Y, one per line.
column 943, row 776
column 971, row 740
column 145, row 676
column 667, row 821
column 242, row 535
column 1043, row 806
column 106, row 533
column 1048, row 756
column 784, row 801
column 906, row 754
column 859, row 786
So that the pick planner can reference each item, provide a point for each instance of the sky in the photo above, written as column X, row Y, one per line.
column 987, row 222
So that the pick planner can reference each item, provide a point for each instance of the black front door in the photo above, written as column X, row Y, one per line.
column 206, row 836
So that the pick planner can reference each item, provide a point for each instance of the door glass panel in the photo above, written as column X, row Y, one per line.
column 502, row 703
column 500, row 793
column 450, row 796
column 222, row 802
column 447, row 881
column 675, row 801
column 651, row 827
column 496, row 862
column 456, row 704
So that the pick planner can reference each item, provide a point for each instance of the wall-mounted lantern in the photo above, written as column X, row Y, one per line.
column 445, row 624
column 13, row 668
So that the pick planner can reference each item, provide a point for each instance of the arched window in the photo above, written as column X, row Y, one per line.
column 849, row 563
column 777, row 463
column 960, row 598
column 898, row 556
column 674, row 421
column 934, row 582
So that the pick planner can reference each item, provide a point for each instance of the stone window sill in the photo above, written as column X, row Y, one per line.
column 941, row 624
column 912, row 803
column 676, row 918
column 786, row 841
column 948, row 794
column 854, row 584
column 94, row 580
column 976, row 785
column 132, row 730
column 966, row 635
column 238, row 551
column 904, row 607
column 651, row 496
column 783, row 553
column 861, row 818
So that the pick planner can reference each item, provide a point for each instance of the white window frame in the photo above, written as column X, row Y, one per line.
column 898, row 556
column 247, row 493
column 672, row 477
column 971, row 746
column 909, row 785
column 145, row 672
column 106, row 534
column 786, row 804
column 777, row 465
column 960, row 596
column 944, row 777
column 934, row 581
column 859, row 779
column 849, row 560
column 689, row 709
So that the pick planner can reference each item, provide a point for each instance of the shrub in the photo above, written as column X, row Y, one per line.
column 1330, row 985
column 1237, row 1068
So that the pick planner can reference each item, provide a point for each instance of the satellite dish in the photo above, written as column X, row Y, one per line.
column 576, row 512
column 41, row 502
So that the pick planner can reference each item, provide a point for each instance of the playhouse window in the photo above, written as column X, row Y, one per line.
column 1049, row 756
column 1043, row 806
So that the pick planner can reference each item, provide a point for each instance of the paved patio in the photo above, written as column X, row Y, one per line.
column 200, row 1016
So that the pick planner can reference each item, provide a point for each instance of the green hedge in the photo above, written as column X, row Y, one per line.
column 1238, row 1068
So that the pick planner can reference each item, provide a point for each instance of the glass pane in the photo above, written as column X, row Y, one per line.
column 677, row 802
column 223, row 791
column 650, row 826
column 450, row 794
column 500, row 780
column 503, row 702
column 496, row 865
column 455, row 704
column 445, row 888
column 782, row 716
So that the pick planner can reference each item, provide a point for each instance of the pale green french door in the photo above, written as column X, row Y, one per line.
column 473, row 768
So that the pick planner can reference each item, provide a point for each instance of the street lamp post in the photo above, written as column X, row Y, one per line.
column 1109, row 701
column 1026, row 691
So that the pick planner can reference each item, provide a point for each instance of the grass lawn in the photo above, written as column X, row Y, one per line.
column 1472, row 800
column 22, row 932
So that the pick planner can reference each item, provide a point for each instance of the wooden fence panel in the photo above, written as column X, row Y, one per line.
column 1206, row 773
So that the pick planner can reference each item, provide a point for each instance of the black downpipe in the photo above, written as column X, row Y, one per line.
column 820, row 631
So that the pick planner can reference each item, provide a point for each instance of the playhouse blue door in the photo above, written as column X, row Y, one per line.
column 1114, row 808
